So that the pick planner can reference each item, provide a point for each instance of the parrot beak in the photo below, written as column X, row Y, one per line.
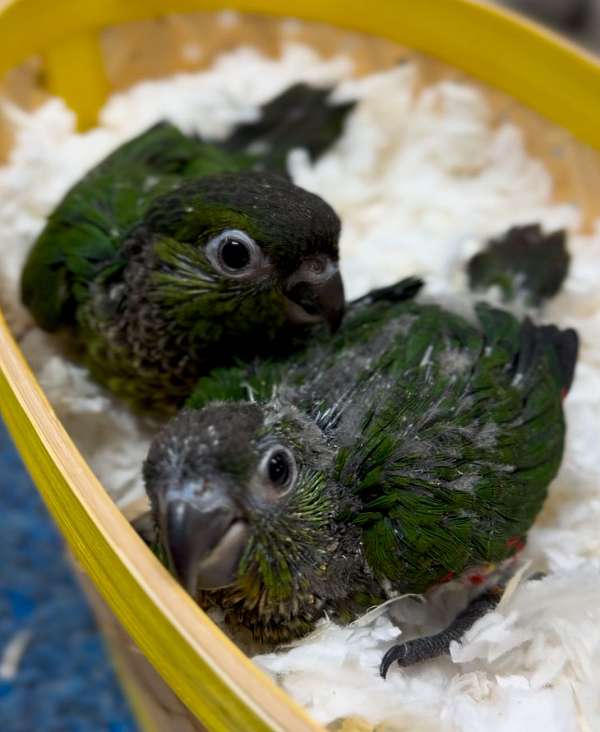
column 315, row 292
column 204, row 536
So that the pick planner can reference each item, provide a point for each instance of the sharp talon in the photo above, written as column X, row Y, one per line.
column 395, row 653
column 432, row 646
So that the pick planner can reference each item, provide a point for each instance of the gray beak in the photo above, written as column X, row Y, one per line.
column 315, row 292
column 204, row 536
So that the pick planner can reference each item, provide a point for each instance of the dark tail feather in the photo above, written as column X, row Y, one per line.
column 300, row 117
column 537, row 339
column 566, row 348
column 405, row 289
column 522, row 260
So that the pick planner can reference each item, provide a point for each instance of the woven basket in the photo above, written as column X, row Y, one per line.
column 165, row 647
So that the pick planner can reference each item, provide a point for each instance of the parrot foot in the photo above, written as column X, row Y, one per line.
column 424, row 649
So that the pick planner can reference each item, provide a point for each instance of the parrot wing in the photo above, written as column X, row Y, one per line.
column 454, row 458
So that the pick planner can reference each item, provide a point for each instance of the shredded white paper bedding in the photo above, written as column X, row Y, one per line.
column 421, row 180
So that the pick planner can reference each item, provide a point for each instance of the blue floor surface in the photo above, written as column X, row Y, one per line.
column 64, row 681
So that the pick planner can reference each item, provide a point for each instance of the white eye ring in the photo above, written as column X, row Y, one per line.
column 278, row 468
column 234, row 253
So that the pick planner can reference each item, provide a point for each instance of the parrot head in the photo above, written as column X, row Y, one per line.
column 244, row 250
column 247, row 514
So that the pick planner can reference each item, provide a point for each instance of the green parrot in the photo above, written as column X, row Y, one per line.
column 410, row 448
column 174, row 254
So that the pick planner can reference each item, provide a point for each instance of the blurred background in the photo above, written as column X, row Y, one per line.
column 54, row 672
column 579, row 19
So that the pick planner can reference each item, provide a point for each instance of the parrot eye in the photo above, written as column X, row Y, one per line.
column 279, row 468
column 234, row 253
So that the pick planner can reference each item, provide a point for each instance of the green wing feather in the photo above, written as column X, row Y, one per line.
column 454, row 467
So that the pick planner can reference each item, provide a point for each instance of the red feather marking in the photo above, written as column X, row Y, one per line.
column 516, row 543
column 476, row 579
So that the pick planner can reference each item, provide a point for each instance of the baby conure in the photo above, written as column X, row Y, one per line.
column 411, row 448
column 175, row 255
